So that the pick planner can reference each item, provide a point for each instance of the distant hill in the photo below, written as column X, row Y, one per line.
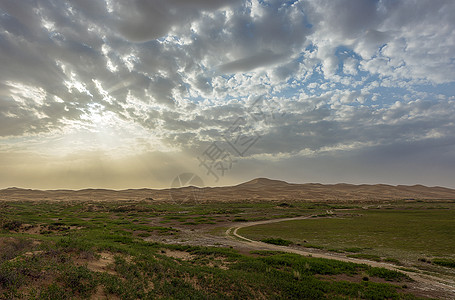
column 255, row 190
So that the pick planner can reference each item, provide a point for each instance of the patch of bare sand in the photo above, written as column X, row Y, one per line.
column 221, row 263
column 98, row 265
column 178, row 254
column 37, row 229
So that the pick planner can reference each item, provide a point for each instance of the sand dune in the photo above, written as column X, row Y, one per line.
column 257, row 189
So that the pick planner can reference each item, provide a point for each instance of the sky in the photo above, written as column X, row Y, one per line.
column 131, row 94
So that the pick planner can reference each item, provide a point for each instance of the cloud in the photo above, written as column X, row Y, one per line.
column 339, row 76
column 142, row 20
column 252, row 62
column 411, row 38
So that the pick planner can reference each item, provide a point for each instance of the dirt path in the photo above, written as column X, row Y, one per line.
column 443, row 287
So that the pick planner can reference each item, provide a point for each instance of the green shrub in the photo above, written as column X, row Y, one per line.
column 353, row 249
column 445, row 262
column 144, row 234
column 14, row 247
column 277, row 241
column 393, row 261
column 389, row 275
column 9, row 277
column 313, row 246
column 79, row 279
column 12, row 225
column 54, row 291
column 240, row 220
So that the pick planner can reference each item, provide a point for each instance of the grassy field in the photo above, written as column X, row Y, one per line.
column 66, row 250
column 411, row 233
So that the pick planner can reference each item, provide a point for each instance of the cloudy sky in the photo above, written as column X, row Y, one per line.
column 128, row 94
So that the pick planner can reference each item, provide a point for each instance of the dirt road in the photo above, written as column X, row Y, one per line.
column 444, row 288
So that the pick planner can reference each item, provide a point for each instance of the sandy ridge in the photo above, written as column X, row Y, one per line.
column 260, row 189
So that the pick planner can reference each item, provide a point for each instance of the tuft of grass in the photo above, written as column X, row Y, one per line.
column 14, row 247
column 393, row 261
column 445, row 262
column 13, row 225
column 240, row 220
column 79, row 280
column 54, row 291
column 144, row 234
column 277, row 241
column 335, row 250
column 389, row 275
column 353, row 249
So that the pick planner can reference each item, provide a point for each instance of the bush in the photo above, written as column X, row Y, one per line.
column 389, row 275
column 144, row 234
column 278, row 241
column 12, row 225
column 393, row 260
column 79, row 279
column 445, row 262
column 9, row 277
column 54, row 292
column 240, row 220
column 14, row 247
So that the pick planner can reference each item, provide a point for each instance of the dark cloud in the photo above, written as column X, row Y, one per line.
column 143, row 20
column 252, row 62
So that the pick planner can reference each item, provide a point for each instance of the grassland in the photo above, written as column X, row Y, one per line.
column 74, row 250
column 414, row 234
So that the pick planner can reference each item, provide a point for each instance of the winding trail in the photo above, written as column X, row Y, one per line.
column 427, row 282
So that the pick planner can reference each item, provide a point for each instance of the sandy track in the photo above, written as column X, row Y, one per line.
column 444, row 287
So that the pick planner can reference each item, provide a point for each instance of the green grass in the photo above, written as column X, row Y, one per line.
column 386, row 233
column 275, row 274
column 120, row 228
column 47, row 265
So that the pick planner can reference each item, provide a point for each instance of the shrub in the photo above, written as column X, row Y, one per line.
column 389, row 275
column 13, row 248
column 79, row 279
column 445, row 262
column 8, row 277
column 277, row 241
column 54, row 292
column 313, row 246
column 144, row 234
column 240, row 220
column 12, row 225
column 393, row 260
